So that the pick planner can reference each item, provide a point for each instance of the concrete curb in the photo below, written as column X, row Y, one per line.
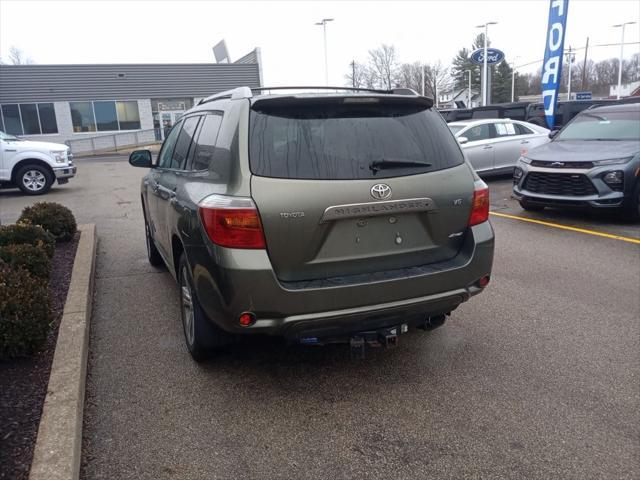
column 58, row 446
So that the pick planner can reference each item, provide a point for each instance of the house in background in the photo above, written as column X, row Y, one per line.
column 448, row 99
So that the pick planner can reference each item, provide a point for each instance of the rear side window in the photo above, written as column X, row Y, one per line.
column 504, row 129
column 479, row 132
column 343, row 142
column 184, row 142
column 522, row 130
column 206, row 145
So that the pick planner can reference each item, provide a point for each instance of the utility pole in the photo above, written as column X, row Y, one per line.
column 469, row 91
column 621, row 52
column 485, row 76
column 422, row 78
column 584, row 67
column 324, row 22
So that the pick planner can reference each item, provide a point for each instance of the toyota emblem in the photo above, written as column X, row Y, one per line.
column 381, row 191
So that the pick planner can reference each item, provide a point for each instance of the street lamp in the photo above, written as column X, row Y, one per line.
column 484, row 62
column 513, row 80
column 621, row 50
column 571, row 56
column 324, row 22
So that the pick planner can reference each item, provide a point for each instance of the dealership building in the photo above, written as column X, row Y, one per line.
column 95, row 106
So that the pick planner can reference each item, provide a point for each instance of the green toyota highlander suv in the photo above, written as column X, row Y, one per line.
column 349, row 215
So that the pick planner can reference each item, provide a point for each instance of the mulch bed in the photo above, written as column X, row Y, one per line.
column 23, row 382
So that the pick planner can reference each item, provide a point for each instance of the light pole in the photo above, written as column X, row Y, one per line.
column 469, row 91
column 570, row 58
column 513, row 80
column 324, row 22
column 621, row 51
column 484, row 62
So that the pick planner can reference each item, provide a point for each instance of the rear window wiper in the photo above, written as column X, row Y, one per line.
column 383, row 164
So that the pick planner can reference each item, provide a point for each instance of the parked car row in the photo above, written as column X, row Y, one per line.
column 530, row 112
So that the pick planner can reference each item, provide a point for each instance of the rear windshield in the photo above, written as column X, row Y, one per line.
column 342, row 142
column 602, row 126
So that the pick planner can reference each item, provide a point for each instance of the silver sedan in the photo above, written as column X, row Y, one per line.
column 494, row 145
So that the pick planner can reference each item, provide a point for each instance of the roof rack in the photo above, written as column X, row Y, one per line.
column 233, row 94
column 246, row 92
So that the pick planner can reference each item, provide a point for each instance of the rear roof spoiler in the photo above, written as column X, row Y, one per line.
column 277, row 101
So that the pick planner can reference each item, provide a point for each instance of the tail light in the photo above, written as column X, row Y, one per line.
column 480, row 205
column 232, row 222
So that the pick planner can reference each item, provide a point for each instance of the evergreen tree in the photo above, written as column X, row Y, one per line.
column 461, row 63
column 501, row 83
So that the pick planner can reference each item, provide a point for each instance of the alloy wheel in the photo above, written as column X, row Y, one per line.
column 188, row 319
column 34, row 180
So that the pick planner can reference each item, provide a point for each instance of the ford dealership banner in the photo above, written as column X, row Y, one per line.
column 552, row 66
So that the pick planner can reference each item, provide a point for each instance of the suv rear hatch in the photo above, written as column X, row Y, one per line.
column 349, row 185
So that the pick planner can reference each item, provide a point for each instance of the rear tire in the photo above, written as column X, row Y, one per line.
column 34, row 179
column 201, row 336
column 632, row 206
column 155, row 259
column 530, row 208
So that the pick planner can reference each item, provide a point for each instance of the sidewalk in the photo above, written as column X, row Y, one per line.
column 154, row 148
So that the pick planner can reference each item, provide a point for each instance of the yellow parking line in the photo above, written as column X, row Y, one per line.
column 567, row 227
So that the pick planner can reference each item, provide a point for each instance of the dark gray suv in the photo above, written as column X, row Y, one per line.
column 321, row 217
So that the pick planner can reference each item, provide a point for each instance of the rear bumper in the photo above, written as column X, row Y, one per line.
column 243, row 280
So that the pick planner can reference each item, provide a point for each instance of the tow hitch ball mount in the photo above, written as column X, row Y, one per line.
column 386, row 337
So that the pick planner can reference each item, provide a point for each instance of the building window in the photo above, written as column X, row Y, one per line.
column 47, row 118
column 28, row 118
column 128, row 115
column 105, row 116
column 82, row 116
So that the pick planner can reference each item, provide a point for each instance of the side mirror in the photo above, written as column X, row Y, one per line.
column 553, row 132
column 141, row 158
column 462, row 140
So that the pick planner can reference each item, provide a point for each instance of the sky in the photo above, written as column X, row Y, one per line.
column 174, row 31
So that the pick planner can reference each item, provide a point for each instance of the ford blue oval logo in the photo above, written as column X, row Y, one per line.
column 493, row 56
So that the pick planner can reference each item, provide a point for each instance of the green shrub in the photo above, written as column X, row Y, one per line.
column 30, row 234
column 31, row 258
column 24, row 312
column 53, row 217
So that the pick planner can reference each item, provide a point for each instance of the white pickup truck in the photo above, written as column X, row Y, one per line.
column 33, row 166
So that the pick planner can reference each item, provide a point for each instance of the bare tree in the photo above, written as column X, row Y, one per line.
column 437, row 79
column 384, row 65
column 359, row 76
column 17, row 57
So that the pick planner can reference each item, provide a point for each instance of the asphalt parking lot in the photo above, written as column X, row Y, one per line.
column 536, row 378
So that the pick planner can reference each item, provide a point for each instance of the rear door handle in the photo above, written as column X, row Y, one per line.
column 524, row 141
column 487, row 147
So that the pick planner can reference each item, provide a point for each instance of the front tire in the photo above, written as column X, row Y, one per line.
column 201, row 336
column 34, row 179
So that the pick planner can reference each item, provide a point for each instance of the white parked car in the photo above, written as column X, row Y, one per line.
column 494, row 145
column 34, row 166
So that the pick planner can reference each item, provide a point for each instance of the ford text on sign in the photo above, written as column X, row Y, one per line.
column 552, row 66
column 493, row 56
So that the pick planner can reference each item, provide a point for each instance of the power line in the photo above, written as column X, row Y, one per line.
column 579, row 48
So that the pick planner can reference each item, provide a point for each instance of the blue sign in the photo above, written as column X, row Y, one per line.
column 552, row 66
column 493, row 56
column 583, row 96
